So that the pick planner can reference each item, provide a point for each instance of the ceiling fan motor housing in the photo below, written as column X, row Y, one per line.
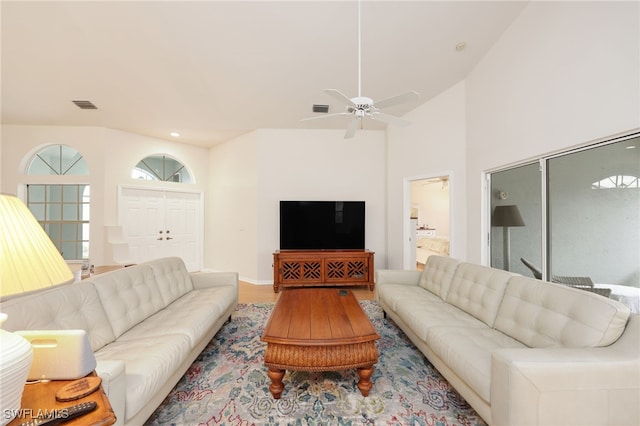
column 362, row 101
column 361, row 106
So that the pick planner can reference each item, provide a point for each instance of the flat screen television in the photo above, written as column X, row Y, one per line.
column 322, row 225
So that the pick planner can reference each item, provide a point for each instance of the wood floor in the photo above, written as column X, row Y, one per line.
column 252, row 293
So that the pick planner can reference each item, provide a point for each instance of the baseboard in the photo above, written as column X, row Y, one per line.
column 256, row 282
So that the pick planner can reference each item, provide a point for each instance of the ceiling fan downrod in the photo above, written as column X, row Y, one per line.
column 359, row 48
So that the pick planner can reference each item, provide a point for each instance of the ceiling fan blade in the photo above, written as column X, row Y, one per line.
column 326, row 116
column 390, row 119
column 336, row 94
column 351, row 128
column 398, row 99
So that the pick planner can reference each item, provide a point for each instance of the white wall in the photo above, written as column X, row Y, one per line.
column 434, row 145
column 231, row 207
column 563, row 74
column 272, row 165
column 243, row 181
column 110, row 155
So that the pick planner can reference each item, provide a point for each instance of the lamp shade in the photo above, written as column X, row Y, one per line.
column 506, row 216
column 28, row 258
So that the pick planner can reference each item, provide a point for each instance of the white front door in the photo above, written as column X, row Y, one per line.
column 182, row 216
column 160, row 223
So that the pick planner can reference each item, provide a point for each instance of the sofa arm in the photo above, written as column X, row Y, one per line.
column 213, row 279
column 565, row 386
column 397, row 276
column 114, row 384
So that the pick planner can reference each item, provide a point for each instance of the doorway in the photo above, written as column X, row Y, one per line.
column 427, row 219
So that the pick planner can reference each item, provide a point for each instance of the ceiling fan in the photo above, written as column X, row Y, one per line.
column 361, row 106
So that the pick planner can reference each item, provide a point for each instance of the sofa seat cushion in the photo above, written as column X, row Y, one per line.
column 438, row 274
column 192, row 315
column 542, row 314
column 68, row 307
column 149, row 362
column 467, row 351
column 129, row 296
column 223, row 297
column 394, row 294
column 478, row 290
column 421, row 315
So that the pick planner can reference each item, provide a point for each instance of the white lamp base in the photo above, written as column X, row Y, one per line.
column 15, row 361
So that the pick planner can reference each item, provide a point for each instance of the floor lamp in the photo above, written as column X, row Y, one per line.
column 506, row 217
column 28, row 261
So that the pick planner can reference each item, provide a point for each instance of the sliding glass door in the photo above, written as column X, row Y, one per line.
column 579, row 215
column 516, row 220
column 594, row 214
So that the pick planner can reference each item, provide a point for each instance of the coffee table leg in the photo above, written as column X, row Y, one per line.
column 276, row 386
column 365, row 384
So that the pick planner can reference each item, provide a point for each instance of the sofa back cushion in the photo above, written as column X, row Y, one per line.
column 438, row 274
column 69, row 307
column 541, row 314
column 172, row 277
column 129, row 296
column 478, row 290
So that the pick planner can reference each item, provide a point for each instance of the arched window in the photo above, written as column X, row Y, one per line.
column 61, row 208
column 58, row 160
column 163, row 168
column 618, row 181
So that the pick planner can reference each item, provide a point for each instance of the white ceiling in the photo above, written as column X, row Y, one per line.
column 212, row 70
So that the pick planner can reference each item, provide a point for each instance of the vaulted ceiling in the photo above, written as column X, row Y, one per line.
column 212, row 70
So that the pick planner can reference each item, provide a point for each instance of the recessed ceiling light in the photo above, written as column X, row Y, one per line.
column 175, row 134
column 630, row 147
column 460, row 46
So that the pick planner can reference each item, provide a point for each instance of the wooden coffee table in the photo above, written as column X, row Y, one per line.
column 319, row 329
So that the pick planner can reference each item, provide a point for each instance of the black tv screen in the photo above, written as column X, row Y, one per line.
column 322, row 225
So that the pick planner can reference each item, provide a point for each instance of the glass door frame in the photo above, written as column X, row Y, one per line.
column 543, row 162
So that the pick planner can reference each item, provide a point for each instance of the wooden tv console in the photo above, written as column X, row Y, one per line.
column 308, row 268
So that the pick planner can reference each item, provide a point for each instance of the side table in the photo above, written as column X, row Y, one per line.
column 40, row 399
column 97, row 270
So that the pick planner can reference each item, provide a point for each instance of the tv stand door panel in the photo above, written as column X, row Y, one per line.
column 293, row 268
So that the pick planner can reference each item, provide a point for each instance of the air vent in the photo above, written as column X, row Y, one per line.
column 85, row 105
column 321, row 108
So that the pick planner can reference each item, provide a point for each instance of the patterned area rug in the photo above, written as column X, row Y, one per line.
column 228, row 385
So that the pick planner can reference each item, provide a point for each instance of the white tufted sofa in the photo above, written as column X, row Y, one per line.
column 519, row 350
column 146, row 325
